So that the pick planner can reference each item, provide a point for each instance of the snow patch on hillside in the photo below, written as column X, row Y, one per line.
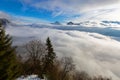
column 29, row 77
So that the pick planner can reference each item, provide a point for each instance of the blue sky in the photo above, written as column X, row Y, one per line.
column 15, row 7
column 59, row 10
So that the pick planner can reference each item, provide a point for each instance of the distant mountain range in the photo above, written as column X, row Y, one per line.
column 97, row 23
column 91, row 23
column 6, row 19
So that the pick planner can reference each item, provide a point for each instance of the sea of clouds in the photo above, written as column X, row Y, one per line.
column 92, row 49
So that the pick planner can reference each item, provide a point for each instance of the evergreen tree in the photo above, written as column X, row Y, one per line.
column 8, row 61
column 50, row 52
column 49, row 57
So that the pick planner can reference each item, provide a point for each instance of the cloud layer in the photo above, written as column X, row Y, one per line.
column 91, row 52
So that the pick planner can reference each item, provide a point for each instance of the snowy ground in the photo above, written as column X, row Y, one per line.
column 30, row 77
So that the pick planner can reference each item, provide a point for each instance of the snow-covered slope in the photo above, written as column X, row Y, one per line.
column 29, row 77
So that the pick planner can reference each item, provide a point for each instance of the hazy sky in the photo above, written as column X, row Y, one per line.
column 63, row 10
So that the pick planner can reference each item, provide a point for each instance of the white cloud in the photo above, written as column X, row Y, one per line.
column 92, row 52
column 4, row 15
column 30, row 20
column 110, row 14
column 70, row 7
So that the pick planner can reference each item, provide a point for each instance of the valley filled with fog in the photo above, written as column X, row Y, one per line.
column 93, row 49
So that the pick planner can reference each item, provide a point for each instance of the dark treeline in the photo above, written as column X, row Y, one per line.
column 41, row 60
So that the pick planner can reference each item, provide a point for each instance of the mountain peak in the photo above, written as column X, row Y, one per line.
column 4, row 21
column 56, row 23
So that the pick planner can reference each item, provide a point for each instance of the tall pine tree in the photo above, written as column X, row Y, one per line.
column 49, row 57
column 8, row 61
column 50, row 52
